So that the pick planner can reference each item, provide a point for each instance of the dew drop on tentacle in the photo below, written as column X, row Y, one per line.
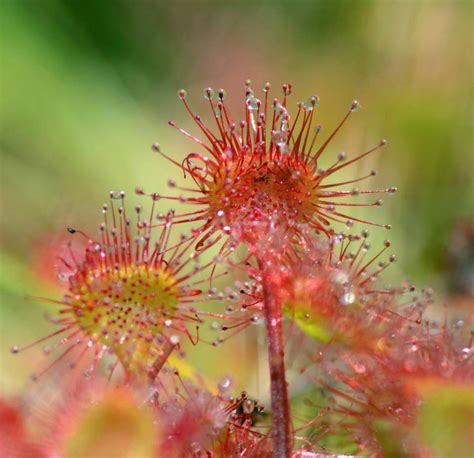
column 348, row 298
column 248, row 406
column 287, row 88
column 225, row 384
column 208, row 93
column 355, row 105
column 174, row 339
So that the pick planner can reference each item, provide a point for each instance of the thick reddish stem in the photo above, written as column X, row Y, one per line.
column 161, row 360
column 281, row 423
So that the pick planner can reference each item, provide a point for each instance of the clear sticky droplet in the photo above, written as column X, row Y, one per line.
column 208, row 93
column 348, row 298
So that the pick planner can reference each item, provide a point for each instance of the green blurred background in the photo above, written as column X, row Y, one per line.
column 87, row 86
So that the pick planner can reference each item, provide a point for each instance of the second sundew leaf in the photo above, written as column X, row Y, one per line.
column 129, row 294
column 334, row 296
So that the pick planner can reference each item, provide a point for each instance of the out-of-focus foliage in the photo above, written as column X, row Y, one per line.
column 115, row 426
column 446, row 420
column 87, row 86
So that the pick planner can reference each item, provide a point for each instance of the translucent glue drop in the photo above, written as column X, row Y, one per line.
column 174, row 339
column 224, row 384
column 355, row 106
column 248, row 406
column 208, row 93
column 115, row 195
column 348, row 298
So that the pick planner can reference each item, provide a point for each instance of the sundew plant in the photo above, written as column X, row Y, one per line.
column 260, row 235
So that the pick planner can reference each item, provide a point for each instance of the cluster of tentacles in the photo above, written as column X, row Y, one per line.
column 369, row 360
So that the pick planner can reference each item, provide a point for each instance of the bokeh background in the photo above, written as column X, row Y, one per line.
column 87, row 86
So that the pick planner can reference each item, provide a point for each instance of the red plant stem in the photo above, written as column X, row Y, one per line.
column 161, row 360
column 281, row 423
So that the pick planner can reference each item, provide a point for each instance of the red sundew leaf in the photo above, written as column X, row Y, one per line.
column 266, row 168
column 130, row 294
